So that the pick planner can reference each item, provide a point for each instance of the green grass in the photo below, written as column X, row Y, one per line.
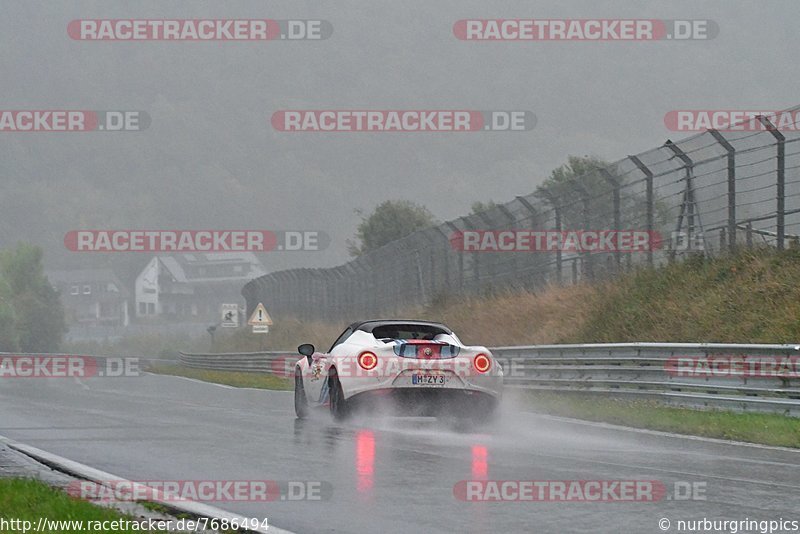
column 230, row 378
column 766, row 429
column 750, row 297
column 29, row 500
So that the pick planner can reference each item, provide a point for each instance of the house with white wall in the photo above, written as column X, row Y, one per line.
column 188, row 287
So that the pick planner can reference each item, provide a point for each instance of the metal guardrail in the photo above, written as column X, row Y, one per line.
column 251, row 362
column 630, row 370
column 641, row 370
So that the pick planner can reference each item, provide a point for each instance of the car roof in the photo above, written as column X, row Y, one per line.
column 369, row 326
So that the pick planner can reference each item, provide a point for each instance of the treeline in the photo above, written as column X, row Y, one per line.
column 31, row 314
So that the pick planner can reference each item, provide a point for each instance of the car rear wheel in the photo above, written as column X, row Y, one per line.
column 338, row 403
column 300, row 400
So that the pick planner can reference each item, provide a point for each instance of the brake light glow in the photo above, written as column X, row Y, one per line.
column 482, row 363
column 368, row 361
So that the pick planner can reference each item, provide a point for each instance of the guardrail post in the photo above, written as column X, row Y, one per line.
column 731, row 187
column 781, row 178
column 648, row 176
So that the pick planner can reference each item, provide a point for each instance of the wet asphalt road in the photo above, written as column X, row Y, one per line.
column 388, row 475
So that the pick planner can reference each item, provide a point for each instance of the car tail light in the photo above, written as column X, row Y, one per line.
column 367, row 360
column 482, row 363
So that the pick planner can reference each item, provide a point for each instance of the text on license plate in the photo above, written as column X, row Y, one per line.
column 428, row 380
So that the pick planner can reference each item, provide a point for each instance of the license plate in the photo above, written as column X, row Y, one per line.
column 418, row 379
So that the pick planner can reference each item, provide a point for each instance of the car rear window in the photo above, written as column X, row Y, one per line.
column 407, row 331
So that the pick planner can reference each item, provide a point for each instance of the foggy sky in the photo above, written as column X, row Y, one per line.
column 210, row 158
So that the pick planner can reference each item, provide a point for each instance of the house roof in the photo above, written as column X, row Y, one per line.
column 82, row 275
column 86, row 276
column 187, row 268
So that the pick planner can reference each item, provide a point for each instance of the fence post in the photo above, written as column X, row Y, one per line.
column 542, row 272
column 731, row 187
column 611, row 179
column 432, row 262
column 446, row 254
column 557, row 212
column 781, row 178
column 455, row 229
column 648, row 176
column 491, row 261
column 586, row 257
column 689, row 204
column 515, row 253
column 749, row 235
column 474, row 259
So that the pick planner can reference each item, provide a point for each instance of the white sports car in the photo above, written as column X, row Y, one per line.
column 416, row 367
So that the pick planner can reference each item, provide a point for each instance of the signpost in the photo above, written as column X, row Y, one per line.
column 230, row 315
column 260, row 320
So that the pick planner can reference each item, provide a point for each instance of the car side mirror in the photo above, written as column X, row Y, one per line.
column 307, row 350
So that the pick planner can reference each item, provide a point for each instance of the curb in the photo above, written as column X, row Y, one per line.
column 102, row 478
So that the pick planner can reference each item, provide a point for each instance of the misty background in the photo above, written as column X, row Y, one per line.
column 210, row 158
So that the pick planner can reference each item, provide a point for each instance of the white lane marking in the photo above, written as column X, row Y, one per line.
column 661, row 433
column 103, row 478
column 198, row 381
column 81, row 384
column 226, row 386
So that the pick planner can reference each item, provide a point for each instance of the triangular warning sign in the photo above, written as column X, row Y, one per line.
column 260, row 316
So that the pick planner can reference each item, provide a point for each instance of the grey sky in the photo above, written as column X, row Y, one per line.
column 210, row 159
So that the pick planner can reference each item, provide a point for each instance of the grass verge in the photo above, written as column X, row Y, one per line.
column 765, row 429
column 230, row 378
column 30, row 500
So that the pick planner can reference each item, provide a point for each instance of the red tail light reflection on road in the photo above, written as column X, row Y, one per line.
column 480, row 462
column 365, row 460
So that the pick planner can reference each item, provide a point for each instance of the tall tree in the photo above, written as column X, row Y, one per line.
column 34, row 306
column 581, row 176
column 391, row 220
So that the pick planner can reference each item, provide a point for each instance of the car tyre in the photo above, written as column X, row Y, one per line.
column 338, row 403
column 300, row 400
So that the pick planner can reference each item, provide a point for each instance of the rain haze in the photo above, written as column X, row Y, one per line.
column 210, row 157
column 350, row 266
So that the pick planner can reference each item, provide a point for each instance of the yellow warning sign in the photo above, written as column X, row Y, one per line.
column 260, row 317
